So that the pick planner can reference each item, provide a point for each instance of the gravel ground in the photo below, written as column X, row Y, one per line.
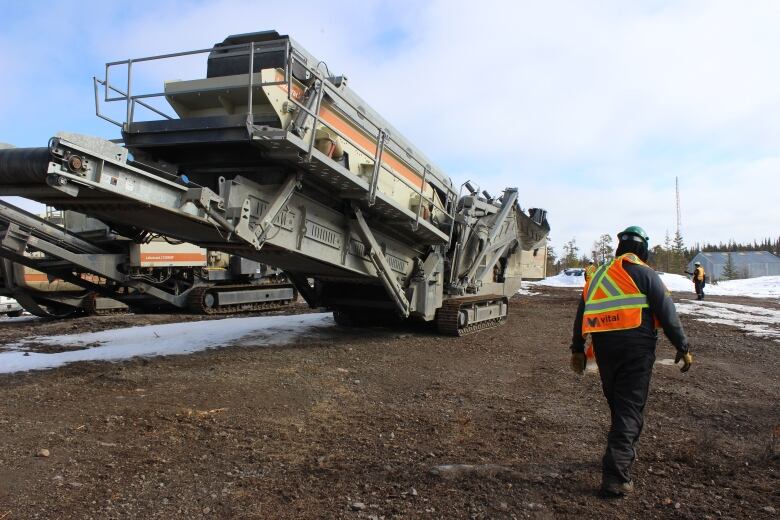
column 387, row 423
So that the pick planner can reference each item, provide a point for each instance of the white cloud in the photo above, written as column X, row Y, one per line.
column 597, row 109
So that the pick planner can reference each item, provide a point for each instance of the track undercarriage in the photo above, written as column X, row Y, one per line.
column 466, row 315
column 231, row 299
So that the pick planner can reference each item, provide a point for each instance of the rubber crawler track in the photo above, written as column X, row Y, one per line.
column 90, row 307
column 447, row 315
column 196, row 300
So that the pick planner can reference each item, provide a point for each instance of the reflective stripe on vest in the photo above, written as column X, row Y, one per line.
column 612, row 299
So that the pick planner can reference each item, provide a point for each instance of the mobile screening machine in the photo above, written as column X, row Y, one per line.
column 273, row 159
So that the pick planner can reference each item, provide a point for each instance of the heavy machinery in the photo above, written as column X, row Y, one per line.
column 272, row 158
column 183, row 276
column 50, row 297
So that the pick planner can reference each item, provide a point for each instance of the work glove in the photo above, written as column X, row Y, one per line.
column 686, row 358
column 578, row 362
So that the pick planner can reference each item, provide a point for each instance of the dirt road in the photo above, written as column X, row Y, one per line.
column 351, row 428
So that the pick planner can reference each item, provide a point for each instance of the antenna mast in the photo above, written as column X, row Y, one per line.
column 677, row 196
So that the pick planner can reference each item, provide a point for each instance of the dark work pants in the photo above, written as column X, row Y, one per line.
column 625, row 371
column 699, row 289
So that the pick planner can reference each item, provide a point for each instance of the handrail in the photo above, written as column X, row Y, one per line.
column 250, row 95
column 382, row 136
column 98, row 112
column 416, row 223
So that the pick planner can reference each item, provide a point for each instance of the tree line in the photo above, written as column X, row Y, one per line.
column 767, row 244
column 671, row 256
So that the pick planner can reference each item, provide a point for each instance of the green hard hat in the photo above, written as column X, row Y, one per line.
column 632, row 233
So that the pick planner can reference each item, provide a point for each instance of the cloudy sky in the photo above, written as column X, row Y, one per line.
column 591, row 108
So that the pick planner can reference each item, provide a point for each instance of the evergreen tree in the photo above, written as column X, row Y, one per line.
column 603, row 250
column 656, row 257
column 667, row 252
column 729, row 270
column 678, row 261
column 570, row 251
column 767, row 244
column 551, row 260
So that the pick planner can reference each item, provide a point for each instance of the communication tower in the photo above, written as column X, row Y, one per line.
column 677, row 198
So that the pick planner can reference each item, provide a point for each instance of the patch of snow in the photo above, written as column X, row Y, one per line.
column 19, row 319
column 760, row 287
column 525, row 289
column 757, row 321
column 772, row 314
column 165, row 340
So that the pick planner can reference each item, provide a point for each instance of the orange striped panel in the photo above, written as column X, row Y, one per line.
column 35, row 277
column 367, row 144
column 173, row 257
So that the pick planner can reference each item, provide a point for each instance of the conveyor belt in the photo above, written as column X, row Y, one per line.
column 23, row 166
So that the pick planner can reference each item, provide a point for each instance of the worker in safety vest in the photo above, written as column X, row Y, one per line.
column 589, row 271
column 699, row 280
column 622, row 307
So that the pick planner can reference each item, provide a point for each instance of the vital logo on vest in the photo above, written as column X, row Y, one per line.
column 603, row 320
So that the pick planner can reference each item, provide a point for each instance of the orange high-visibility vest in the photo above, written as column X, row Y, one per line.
column 698, row 273
column 589, row 271
column 612, row 299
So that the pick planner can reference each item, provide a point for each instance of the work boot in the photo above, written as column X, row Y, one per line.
column 616, row 489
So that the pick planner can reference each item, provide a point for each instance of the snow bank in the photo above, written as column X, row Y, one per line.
column 525, row 289
column 761, row 287
column 165, row 340
column 678, row 283
column 562, row 280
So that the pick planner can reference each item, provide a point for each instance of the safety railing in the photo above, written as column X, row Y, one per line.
column 131, row 99
column 321, row 86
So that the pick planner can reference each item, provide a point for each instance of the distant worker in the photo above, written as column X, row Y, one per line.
column 621, row 308
column 699, row 280
column 590, row 270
